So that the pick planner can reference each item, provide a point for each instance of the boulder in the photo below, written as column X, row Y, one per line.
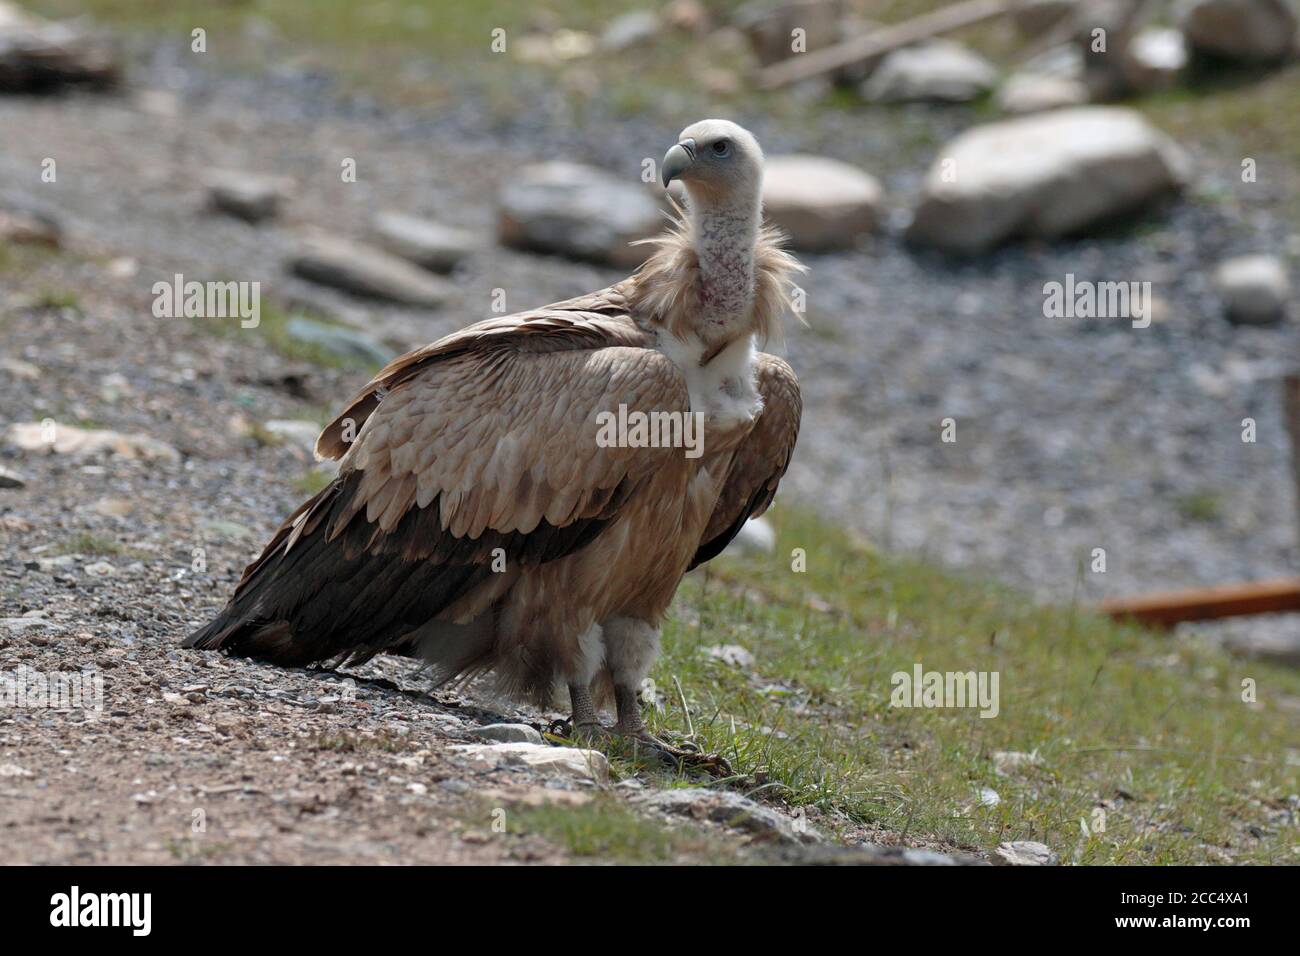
column 755, row 537
column 1024, row 853
column 509, row 733
column 61, row 439
column 1033, row 18
column 939, row 71
column 37, row 55
column 1255, row 289
column 580, row 212
column 428, row 244
column 628, row 30
column 1155, row 60
column 366, row 271
column 820, row 203
column 346, row 343
column 1036, row 92
column 556, row 761
column 1046, row 176
column 1248, row 30
column 769, row 26
column 731, row 810
column 247, row 196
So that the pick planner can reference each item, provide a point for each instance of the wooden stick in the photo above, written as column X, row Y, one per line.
column 1291, row 406
column 803, row 66
column 1166, row 608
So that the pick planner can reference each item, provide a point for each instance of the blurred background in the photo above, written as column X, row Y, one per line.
column 390, row 171
column 925, row 300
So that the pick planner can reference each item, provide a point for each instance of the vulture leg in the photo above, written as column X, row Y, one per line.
column 585, row 721
column 633, row 730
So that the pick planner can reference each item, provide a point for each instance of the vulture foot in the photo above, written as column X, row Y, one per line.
column 686, row 757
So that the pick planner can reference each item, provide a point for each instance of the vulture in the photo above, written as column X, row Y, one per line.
column 480, row 523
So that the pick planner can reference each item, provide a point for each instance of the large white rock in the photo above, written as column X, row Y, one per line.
column 820, row 203
column 1257, row 30
column 938, row 71
column 1048, row 175
column 1255, row 289
column 1035, row 93
column 580, row 212
column 1024, row 853
column 560, row 761
column 1156, row 59
column 60, row 439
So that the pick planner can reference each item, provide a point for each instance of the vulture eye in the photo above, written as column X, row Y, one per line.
column 722, row 147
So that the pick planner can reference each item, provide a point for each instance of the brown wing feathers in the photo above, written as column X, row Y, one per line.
column 483, row 445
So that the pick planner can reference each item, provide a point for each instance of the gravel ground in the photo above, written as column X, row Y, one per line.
column 1071, row 435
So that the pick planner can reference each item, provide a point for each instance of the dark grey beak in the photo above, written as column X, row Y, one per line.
column 677, row 160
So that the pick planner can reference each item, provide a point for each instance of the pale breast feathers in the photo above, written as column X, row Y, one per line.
column 761, row 460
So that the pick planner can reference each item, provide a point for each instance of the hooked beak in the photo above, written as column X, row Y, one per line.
column 677, row 160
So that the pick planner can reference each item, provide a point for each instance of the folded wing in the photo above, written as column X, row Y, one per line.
column 482, row 447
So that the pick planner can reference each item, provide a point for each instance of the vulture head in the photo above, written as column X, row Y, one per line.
column 716, row 161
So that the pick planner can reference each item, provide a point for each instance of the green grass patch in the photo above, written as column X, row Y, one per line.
column 1204, row 507
column 90, row 544
column 272, row 332
column 608, row 831
column 1143, row 738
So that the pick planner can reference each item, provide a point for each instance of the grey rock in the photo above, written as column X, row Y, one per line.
column 755, row 537
column 1248, row 30
column 1277, row 648
column 508, row 733
column 556, row 761
column 820, row 203
column 428, row 244
column 1035, row 92
column 88, row 442
column 1045, row 176
column 1255, row 289
column 11, row 479
column 247, row 196
column 20, row 624
column 580, row 212
column 938, row 71
column 630, row 30
column 30, row 228
column 729, row 809
column 731, row 654
column 295, row 431
column 1155, row 59
column 1024, row 853
column 1035, row 17
column 340, row 340
column 768, row 26
column 37, row 55
column 368, row 272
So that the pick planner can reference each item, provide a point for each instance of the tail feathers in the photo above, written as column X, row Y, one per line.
column 311, row 597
